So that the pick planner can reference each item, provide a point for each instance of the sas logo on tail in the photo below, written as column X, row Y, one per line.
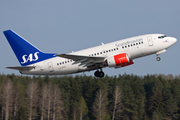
column 30, row 57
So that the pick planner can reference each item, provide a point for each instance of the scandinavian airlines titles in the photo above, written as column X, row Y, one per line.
column 30, row 57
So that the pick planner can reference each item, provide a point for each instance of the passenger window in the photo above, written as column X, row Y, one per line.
column 109, row 50
column 94, row 54
column 97, row 53
column 139, row 43
column 62, row 62
column 117, row 48
column 104, row 51
column 65, row 61
column 142, row 42
column 57, row 63
column 125, row 46
column 128, row 45
column 114, row 49
column 122, row 47
column 136, row 43
column 100, row 52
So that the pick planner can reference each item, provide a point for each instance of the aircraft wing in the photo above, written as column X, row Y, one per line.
column 21, row 68
column 84, row 60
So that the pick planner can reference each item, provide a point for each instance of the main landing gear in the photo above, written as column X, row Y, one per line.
column 99, row 73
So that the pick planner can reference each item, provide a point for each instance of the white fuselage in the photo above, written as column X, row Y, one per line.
column 135, row 47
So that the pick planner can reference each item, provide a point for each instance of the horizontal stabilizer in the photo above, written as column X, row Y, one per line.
column 22, row 68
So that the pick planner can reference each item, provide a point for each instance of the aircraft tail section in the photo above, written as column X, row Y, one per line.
column 25, row 52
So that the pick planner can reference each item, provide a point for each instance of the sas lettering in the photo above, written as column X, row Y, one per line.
column 29, row 58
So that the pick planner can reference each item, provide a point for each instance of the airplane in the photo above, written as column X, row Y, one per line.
column 116, row 54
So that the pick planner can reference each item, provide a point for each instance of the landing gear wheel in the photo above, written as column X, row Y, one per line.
column 99, row 74
column 158, row 58
column 96, row 74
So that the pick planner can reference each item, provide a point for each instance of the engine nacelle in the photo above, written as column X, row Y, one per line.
column 120, row 60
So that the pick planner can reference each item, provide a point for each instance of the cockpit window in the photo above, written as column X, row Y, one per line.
column 162, row 36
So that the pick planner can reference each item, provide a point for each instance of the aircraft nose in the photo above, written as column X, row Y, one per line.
column 174, row 40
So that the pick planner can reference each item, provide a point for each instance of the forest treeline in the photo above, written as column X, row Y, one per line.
column 123, row 97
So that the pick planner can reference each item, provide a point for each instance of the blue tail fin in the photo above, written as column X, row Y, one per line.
column 25, row 52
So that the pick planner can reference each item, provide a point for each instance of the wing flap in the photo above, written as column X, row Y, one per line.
column 78, row 57
column 86, row 62
column 21, row 68
column 83, row 60
column 80, row 61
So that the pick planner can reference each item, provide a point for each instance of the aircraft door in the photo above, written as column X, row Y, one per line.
column 50, row 66
column 150, row 41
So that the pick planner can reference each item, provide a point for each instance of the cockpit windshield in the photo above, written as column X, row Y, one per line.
column 162, row 36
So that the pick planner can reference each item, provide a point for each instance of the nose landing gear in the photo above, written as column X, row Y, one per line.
column 158, row 58
column 99, row 73
column 158, row 53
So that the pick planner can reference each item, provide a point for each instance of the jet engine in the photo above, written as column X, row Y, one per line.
column 120, row 60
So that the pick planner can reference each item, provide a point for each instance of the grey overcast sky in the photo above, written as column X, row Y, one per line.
column 63, row 26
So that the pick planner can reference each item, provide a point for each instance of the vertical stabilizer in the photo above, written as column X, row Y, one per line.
column 25, row 52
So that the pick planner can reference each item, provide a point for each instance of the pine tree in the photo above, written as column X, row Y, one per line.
column 83, row 110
